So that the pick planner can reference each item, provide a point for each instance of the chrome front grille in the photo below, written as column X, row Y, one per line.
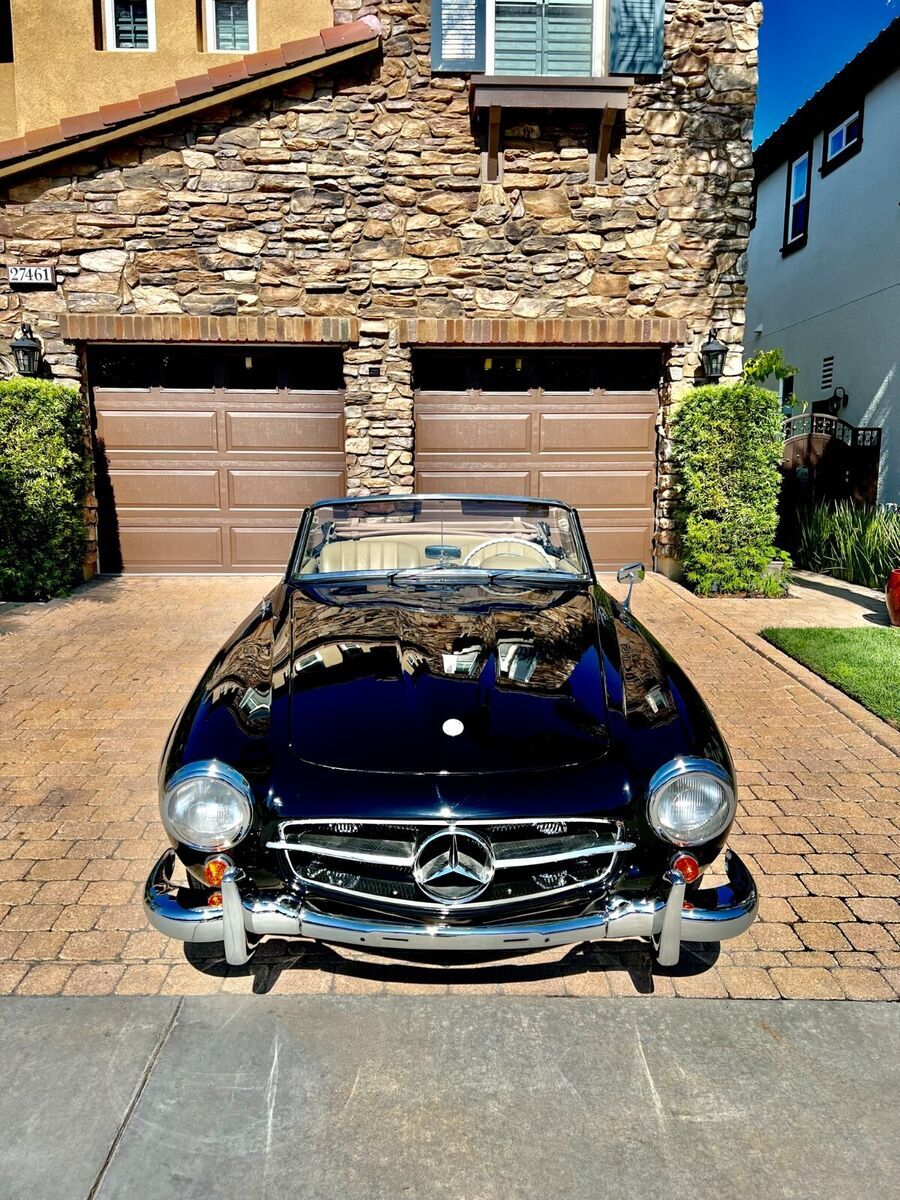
column 378, row 861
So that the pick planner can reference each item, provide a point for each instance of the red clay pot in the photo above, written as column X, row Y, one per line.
column 892, row 596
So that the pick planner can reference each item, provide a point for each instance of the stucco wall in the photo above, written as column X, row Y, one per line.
column 7, row 101
column 840, row 294
column 360, row 197
column 60, row 73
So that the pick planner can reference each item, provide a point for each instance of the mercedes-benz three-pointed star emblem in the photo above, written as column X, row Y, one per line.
column 454, row 865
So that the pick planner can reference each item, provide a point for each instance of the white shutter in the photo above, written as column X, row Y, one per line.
column 543, row 37
column 636, row 30
column 457, row 35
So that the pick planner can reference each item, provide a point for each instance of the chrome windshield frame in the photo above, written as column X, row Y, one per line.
column 292, row 574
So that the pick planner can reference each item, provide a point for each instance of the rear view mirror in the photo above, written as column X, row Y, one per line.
column 631, row 575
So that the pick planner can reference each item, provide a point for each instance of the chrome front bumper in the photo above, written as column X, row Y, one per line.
column 727, row 912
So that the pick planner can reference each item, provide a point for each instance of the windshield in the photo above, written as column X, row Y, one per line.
column 403, row 538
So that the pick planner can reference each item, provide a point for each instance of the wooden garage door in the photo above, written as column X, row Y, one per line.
column 576, row 426
column 205, row 457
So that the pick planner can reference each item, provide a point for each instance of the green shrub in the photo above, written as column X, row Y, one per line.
column 859, row 543
column 44, row 475
column 727, row 447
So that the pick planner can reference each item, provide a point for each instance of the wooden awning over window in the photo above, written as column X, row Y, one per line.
column 549, row 92
column 603, row 99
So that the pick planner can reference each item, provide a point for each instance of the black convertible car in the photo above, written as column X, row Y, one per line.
column 438, row 733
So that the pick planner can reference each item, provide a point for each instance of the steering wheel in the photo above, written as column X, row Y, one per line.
column 509, row 541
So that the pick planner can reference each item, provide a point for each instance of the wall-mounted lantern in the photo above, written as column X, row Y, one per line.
column 712, row 356
column 27, row 353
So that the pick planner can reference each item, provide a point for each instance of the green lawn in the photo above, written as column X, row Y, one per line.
column 864, row 663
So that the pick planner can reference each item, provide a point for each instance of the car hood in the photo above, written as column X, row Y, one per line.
column 452, row 683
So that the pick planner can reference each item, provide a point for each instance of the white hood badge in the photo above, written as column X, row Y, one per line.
column 453, row 727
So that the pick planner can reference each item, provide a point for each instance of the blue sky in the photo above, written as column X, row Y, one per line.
column 803, row 43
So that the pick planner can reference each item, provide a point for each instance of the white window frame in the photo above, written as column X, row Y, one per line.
column 842, row 128
column 805, row 195
column 600, row 35
column 109, row 30
column 209, row 28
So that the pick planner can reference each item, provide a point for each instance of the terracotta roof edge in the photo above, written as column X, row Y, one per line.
column 69, row 132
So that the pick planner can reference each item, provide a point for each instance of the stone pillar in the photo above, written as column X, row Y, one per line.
column 379, row 411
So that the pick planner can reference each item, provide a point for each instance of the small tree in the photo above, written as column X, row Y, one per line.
column 44, row 474
column 727, row 448
column 767, row 363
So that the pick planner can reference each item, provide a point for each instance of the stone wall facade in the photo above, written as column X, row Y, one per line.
column 358, row 195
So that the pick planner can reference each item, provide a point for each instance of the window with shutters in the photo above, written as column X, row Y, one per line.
column 548, row 38
column 129, row 25
column 230, row 26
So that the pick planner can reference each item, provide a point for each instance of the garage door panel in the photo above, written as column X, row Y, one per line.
column 574, row 433
column 292, row 490
column 612, row 548
column 594, row 449
column 258, row 547
column 498, row 483
column 288, row 432
column 473, row 432
column 134, row 431
column 203, row 479
column 165, row 489
column 600, row 489
column 170, row 548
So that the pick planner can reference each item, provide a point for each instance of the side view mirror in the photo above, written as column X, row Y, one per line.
column 631, row 575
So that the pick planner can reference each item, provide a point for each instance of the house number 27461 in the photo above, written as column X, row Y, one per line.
column 31, row 273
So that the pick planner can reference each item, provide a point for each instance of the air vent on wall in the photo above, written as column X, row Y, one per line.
column 827, row 371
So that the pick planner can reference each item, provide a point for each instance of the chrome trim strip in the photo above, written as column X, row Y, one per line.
column 529, row 860
column 466, row 496
column 384, row 860
column 371, row 898
column 731, row 910
column 447, row 821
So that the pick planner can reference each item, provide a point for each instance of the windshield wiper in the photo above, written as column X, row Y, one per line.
column 467, row 576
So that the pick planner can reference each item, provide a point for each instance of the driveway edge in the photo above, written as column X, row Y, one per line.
column 856, row 713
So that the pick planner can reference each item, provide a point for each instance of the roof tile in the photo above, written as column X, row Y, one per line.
column 263, row 61
column 152, row 102
column 233, row 72
column 194, row 85
column 337, row 36
column 13, row 148
column 124, row 110
column 80, row 126
column 302, row 50
column 39, row 139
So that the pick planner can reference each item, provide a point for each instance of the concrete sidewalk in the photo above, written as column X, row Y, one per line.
column 159, row 1098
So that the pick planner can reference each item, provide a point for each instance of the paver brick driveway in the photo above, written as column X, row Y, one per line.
column 91, row 685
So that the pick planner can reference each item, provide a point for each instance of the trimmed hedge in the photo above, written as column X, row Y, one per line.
column 727, row 446
column 45, row 470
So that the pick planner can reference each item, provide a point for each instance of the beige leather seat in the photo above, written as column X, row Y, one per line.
column 368, row 554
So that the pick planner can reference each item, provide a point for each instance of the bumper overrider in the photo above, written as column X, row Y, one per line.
column 667, row 920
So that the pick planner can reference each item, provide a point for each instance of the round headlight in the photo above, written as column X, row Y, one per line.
column 691, row 801
column 207, row 806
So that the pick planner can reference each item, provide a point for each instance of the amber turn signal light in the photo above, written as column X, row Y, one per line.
column 688, row 866
column 215, row 900
column 214, row 870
